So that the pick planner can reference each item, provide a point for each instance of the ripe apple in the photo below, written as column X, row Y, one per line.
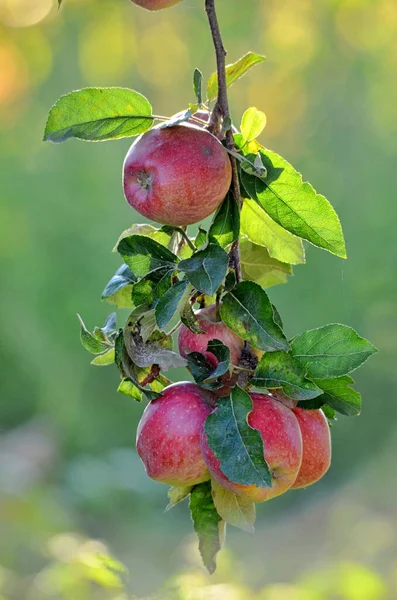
column 282, row 441
column 176, row 175
column 155, row 4
column 168, row 435
column 316, row 438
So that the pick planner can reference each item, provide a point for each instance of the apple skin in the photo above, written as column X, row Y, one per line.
column 168, row 435
column 316, row 438
column 282, row 440
column 155, row 4
column 176, row 175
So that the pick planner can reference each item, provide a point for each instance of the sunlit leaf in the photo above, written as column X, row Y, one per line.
column 253, row 123
column 235, row 510
column 233, row 72
column 208, row 525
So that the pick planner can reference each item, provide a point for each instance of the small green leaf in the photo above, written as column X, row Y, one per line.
column 89, row 341
column 98, row 114
column 162, row 236
column 172, row 303
column 295, row 205
column 260, row 229
column 201, row 238
column 331, row 351
column 119, row 288
column 247, row 311
column 203, row 371
column 237, row 446
column 235, row 510
column 177, row 494
column 144, row 255
column 206, row 269
column 189, row 318
column 258, row 266
column 225, row 227
column 340, row 396
column 102, row 360
column 208, row 525
column 233, row 72
column 197, row 84
column 128, row 388
column 279, row 370
column 253, row 122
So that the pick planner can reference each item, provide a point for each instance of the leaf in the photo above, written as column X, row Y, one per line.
column 233, row 72
column 339, row 395
column 144, row 255
column 98, row 114
column 203, row 370
column 258, row 266
column 172, row 303
column 237, row 446
column 235, row 510
column 247, row 311
column 102, row 360
column 331, row 351
column 253, row 122
column 162, row 236
column 201, row 237
column 118, row 289
column 296, row 206
column 208, row 525
column 260, row 229
column 225, row 227
column 128, row 388
column 89, row 341
column 144, row 354
column 197, row 84
column 279, row 370
column 206, row 269
column 177, row 494
column 189, row 318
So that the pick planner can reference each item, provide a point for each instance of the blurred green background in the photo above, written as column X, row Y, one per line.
column 71, row 485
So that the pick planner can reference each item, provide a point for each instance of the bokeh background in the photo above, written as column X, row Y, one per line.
column 72, row 490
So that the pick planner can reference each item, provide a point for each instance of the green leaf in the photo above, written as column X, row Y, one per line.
column 237, row 446
column 98, row 114
column 208, row 525
column 189, row 318
column 118, row 290
column 172, row 303
column 89, row 341
column 201, row 237
column 339, row 395
column 177, row 494
column 331, row 351
column 233, row 72
column 162, row 236
column 152, row 352
column 128, row 388
column 296, row 206
column 247, row 311
column 225, row 227
column 197, row 84
column 102, row 360
column 206, row 269
column 144, row 255
column 260, row 229
column 258, row 266
column 279, row 370
column 253, row 122
column 203, row 371
column 235, row 510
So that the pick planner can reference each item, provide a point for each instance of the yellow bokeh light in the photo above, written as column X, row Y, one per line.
column 14, row 78
column 24, row 13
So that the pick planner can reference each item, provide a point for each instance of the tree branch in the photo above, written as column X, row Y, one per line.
column 221, row 113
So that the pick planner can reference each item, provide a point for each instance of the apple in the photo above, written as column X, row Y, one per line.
column 168, row 435
column 282, row 441
column 155, row 4
column 316, row 438
column 176, row 175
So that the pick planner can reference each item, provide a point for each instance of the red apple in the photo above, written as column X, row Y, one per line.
column 176, row 175
column 155, row 4
column 316, row 438
column 168, row 435
column 282, row 441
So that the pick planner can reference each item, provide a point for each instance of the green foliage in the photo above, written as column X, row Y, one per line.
column 206, row 269
column 98, row 114
column 235, row 510
column 258, row 266
column 225, row 227
column 145, row 256
column 339, row 395
column 237, row 446
column 203, row 371
column 233, row 72
column 331, row 351
column 253, row 123
column 280, row 370
column 118, row 290
column 247, row 311
column 197, row 85
column 177, row 494
column 208, row 525
column 172, row 302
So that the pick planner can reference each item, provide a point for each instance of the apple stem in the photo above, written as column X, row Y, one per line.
column 222, row 112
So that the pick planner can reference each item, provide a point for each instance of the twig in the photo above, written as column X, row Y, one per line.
column 221, row 113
